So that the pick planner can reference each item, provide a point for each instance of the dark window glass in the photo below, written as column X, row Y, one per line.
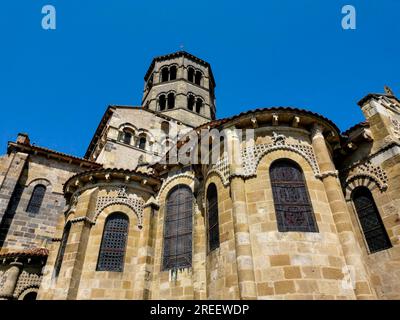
column 212, row 209
column 171, row 100
column 142, row 143
column 198, row 77
column 172, row 73
column 162, row 102
column 191, row 74
column 164, row 75
column 30, row 296
column 178, row 229
column 370, row 220
column 61, row 250
column 36, row 199
column 113, row 243
column 127, row 137
column 292, row 202
column 191, row 102
column 199, row 104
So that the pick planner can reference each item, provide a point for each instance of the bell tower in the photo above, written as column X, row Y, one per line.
column 181, row 86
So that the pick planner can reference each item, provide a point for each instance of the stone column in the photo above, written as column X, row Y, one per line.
column 244, row 256
column 341, row 216
column 143, row 276
column 12, row 275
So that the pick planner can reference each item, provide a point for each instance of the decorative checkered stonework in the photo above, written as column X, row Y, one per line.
column 367, row 169
column 131, row 200
column 221, row 168
column 2, row 279
column 27, row 280
column 252, row 155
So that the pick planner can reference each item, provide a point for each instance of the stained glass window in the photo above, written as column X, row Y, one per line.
column 113, row 244
column 178, row 229
column 212, row 209
column 293, row 207
column 36, row 199
column 61, row 250
column 370, row 220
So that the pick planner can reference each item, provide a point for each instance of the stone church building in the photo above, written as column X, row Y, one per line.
column 292, row 208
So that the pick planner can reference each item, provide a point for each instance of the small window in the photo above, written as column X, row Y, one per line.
column 113, row 243
column 127, row 137
column 191, row 74
column 212, row 209
column 199, row 105
column 291, row 199
column 198, row 77
column 61, row 250
column 165, row 127
column 36, row 199
column 171, row 100
column 162, row 102
column 172, row 73
column 191, row 101
column 164, row 74
column 371, row 223
column 142, row 143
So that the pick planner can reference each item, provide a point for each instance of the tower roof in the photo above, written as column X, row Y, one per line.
column 175, row 55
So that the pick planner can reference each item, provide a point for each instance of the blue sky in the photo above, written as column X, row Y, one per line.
column 55, row 85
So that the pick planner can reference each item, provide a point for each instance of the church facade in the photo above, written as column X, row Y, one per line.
column 171, row 203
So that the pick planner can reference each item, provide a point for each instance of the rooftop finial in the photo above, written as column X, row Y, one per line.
column 388, row 91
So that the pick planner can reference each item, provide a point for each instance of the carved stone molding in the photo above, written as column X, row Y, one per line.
column 123, row 198
column 396, row 126
column 251, row 156
column 222, row 169
column 173, row 178
column 365, row 174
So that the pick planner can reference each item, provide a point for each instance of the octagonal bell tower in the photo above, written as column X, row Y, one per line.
column 181, row 86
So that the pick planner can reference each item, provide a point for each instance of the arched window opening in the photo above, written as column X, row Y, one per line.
column 172, row 73
column 292, row 202
column 191, row 74
column 165, row 127
column 113, row 243
column 30, row 296
column 191, row 102
column 142, row 143
column 212, row 209
column 198, row 77
column 178, row 229
column 370, row 220
column 171, row 100
column 36, row 199
column 164, row 74
column 61, row 250
column 199, row 105
column 162, row 102
column 127, row 137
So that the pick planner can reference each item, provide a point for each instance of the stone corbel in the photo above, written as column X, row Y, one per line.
column 323, row 175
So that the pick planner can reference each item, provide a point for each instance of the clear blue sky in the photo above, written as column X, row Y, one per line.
column 56, row 85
